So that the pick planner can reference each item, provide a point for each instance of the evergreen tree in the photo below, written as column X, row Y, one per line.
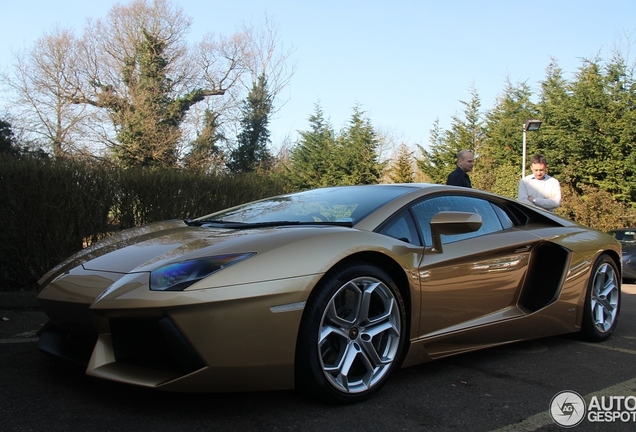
column 402, row 168
column 553, row 106
column 466, row 133
column 321, row 158
column 148, row 126
column 500, row 153
column 436, row 161
column 205, row 153
column 357, row 158
column 505, row 126
column 592, row 131
column 620, row 131
column 252, row 151
column 312, row 157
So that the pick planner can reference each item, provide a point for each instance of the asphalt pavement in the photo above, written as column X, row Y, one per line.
column 508, row 388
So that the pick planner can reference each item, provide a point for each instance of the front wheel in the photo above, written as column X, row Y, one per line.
column 352, row 334
column 602, row 302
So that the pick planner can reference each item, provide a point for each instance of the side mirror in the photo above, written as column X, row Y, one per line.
column 451, row 222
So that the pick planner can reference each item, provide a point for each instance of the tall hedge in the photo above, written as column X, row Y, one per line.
column 52, row 208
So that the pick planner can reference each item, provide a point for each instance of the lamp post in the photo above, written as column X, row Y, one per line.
column 529, row 125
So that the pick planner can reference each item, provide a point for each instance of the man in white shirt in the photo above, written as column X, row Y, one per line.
column 539, row 188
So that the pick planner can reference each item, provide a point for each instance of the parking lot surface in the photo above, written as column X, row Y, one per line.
column 508, row 388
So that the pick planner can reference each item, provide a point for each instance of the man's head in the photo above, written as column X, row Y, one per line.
column 539, row 166
column 466, row 160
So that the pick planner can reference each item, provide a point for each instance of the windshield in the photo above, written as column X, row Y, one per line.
column 346, row 204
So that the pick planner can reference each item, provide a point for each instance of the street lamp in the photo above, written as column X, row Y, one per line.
column 529, row 125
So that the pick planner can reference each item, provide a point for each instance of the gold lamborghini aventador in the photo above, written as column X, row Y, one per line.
column 328, row 290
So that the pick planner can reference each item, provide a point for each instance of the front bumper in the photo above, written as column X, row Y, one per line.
column 233, row 338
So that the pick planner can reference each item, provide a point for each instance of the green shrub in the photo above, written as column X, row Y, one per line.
column 53, row 208
column 595, row 208
column 49, row 208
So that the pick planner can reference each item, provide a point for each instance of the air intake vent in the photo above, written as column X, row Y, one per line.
column 154, row 343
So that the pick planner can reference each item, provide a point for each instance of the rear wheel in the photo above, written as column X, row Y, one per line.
column 352, row 334
column 602, row 302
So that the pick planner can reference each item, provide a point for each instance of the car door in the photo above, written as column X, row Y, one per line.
column 475, row 280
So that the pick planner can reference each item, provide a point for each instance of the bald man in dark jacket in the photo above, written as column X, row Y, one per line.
column 465, row 163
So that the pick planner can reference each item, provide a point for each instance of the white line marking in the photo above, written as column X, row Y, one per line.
column 607, row 347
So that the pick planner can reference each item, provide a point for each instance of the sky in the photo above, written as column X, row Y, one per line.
column 405, row 63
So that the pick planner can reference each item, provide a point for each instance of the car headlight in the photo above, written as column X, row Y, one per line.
column 179, row 276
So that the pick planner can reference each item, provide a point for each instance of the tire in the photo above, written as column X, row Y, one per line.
column 352, row 334
column 602, row 301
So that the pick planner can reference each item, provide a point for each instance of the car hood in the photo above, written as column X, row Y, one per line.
column 147, row 252
column 146, row 248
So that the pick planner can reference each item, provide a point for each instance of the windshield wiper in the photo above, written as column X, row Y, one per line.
column 238, row 225
column 247, row 225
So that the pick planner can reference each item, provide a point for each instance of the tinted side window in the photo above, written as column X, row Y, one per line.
column 425, row 210
column 504, row 217
column 402, row 228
